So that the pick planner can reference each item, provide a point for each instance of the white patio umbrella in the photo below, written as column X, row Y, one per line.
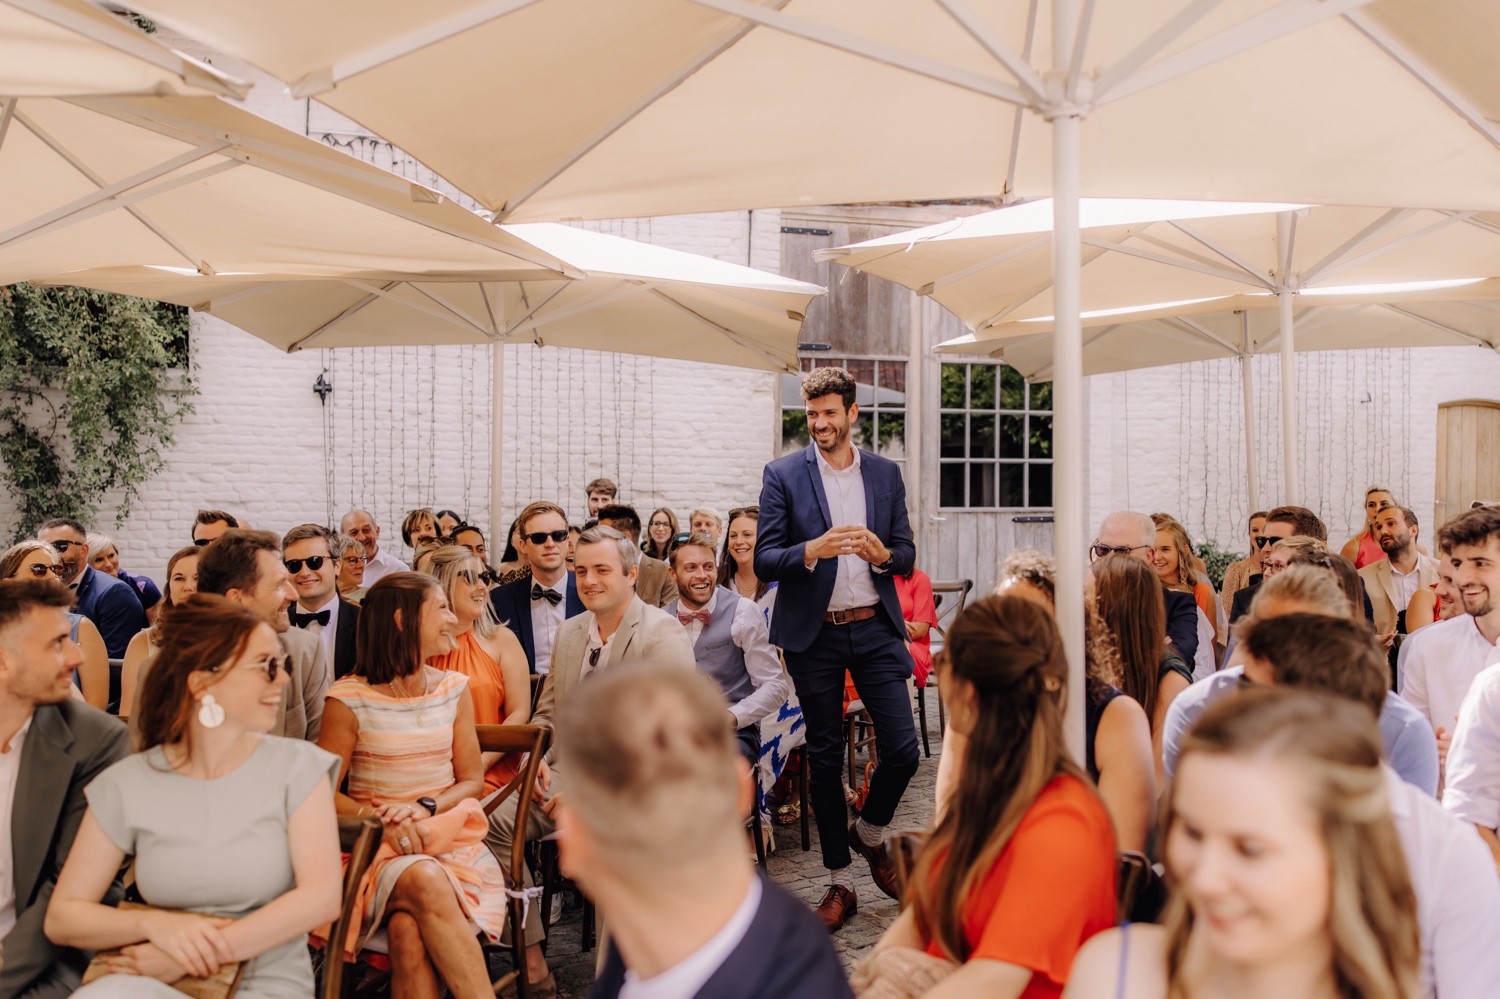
column 69, row 48
column 593, row 108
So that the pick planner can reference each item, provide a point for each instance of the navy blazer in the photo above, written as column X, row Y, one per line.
column 113, row 607
column 512, row 603
column 794, row 511
column 785, row 953
column 345, row 638
column 1182, row 623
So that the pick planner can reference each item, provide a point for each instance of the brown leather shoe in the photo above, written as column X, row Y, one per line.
column 882, row 867
column 838, row 905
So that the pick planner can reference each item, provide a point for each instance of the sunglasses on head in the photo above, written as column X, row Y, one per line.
column 314, row 562
column 540, row 537
column 38, row 570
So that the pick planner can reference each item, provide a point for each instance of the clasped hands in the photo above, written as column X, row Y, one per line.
column 851, row 540
column 177, row 944
column 404, row 828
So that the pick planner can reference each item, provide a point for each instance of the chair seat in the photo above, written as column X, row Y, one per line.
column 855, row 707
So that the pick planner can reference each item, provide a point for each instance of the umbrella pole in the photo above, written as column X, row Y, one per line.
column 1067, row 380
column 1247, row 382
column 497, row 439
column 1291, row 488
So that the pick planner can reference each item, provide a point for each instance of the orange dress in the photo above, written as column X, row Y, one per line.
column 1051, row 888
column 487, row 691
column 1369, row 550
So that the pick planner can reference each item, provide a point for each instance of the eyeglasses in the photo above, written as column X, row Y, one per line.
column 540, row 537
column 1265, row 540
column 1100, row 551
column 353, row 560
column 314, row 562
column 1269, row 568
column 38, row 570
column 61, row 546
column 273, row 665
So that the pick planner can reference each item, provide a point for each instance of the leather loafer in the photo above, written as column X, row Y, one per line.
column 838, row 905
column 882, row 867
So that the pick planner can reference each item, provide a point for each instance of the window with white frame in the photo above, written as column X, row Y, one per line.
column 880, row 391
column 995, row 439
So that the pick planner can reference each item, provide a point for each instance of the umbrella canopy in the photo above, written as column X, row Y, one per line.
column 68, row 48
column 103, row 182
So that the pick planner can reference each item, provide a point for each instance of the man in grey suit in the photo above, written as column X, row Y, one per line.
column 615, row 630
column 51, row 747
column 653, row 580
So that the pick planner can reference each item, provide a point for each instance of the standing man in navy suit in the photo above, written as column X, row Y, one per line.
column 535, row 606
column 834, row 533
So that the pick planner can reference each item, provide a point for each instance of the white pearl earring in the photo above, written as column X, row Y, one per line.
column 210, row 712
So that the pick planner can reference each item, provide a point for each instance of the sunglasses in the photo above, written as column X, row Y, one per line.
column 1100, row 551
column 201, row 542
column 38, row 570
column 471, row 576
column 314, row 562
column 743, row 511
column 540, row 537
column 62, row 546
column 272, row 666
column 1265, row 541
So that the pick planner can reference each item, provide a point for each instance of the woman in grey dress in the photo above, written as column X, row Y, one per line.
column 232, row 830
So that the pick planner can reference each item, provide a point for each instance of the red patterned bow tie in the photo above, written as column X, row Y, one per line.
column 687, row 619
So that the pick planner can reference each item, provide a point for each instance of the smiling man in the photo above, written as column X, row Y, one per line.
column 1391, row 582
column 108, row 602
column 307, row 553
column 360, row 526
column 535, row 606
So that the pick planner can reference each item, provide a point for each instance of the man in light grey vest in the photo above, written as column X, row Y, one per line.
column 731, row 642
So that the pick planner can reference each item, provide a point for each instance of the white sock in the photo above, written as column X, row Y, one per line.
column 843, row 877
column 869, row 835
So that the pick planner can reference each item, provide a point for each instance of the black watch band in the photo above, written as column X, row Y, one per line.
column 885, row 566
column 429, row 804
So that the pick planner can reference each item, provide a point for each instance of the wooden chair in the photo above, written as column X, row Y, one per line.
column 532, row 740
column 859, row 733
column 537, row 679
column 360, row 839
column 1133, row 871
column 905, row 848
column 959, row 590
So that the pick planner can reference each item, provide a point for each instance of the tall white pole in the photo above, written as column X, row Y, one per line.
column 1067, row 375
column 1247, row 382
column 1292, row 489
column 497, row 443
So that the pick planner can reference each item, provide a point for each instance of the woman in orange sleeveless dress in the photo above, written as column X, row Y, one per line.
column 1362, row 549
column 486, row 652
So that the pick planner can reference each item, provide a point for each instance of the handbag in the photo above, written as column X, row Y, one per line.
column 899, row 973
column 221, row 985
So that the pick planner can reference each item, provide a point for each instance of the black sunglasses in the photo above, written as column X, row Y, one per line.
column 38, row 570
column 1265, row 540
column 61, row 546
column 201, row 542
column 540, row 537
column 1100, row 551
column 314, row 562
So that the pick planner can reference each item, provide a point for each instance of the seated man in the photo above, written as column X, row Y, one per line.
column 1127, row 532
column 210, row 524
column 51, row 747
column 535, row 606
column 654, row 582
column 653, row 829
column 731, row 640
column 307, row 551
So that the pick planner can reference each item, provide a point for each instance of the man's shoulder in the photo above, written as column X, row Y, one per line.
column 1371, row 572
column 299, row 643
column 1201, row 693
column 1438, row 635
column 105, row 584
column 89, row 728
column 511, row 590
column 877, row 463
column 807, row 966
column 348, row 607
column 787, row 462
column 1398, row 708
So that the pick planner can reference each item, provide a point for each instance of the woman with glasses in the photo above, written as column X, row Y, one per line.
column 182, row 582
column 232, row 830
column 661, row 530
column 104, row 556
column 352, row 561
column 485, row 651
column 39, row 560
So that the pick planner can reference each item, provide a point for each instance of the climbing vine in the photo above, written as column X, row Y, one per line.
column 87, row 404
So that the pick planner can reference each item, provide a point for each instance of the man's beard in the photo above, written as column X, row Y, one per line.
column 1396, row 549
column 1482, row 609
column 839, row 437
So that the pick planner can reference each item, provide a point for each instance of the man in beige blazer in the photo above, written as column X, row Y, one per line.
column 617, row 629
column 1393, row 580
column 653, row 580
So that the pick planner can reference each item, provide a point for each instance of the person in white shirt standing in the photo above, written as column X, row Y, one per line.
column 307, row 553
column 360, row 526
column 731, row 641
column 1442, row 659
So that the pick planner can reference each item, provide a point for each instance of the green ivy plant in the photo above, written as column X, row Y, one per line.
column 85, row 404
column 1215, row 560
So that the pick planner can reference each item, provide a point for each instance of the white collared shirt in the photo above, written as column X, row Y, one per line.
column 1405, row 584
column 845, row 490
column 1439, row 662
column 750, row 632
column 590, row 661
column 546, row 618
column 326, row 634
column 383, row 564
column 10, row 771
column 685, row 978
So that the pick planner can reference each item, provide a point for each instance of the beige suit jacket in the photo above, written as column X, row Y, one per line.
column 653, row 582
column 646, row 635
column 1381, row 587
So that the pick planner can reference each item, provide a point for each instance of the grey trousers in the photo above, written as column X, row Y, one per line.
column 502, row 835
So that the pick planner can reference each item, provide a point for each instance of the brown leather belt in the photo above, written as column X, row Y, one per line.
column 850, row 616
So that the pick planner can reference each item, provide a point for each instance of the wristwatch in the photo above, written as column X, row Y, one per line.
column 885, row 566
column 429, row 804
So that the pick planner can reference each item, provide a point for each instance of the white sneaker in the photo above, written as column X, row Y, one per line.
column 556, row 908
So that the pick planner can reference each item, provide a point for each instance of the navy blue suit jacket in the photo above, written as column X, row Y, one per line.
column 113, row 607
column 1182, row 623
column 512, row 603
column 794, row 511
column 786, row 953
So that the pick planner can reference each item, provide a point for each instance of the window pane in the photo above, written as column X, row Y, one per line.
column 982, row 386
column 862, row 433
column 1012, row 436
column 1041, row 485
column 953, row 386
column 794, row 436
column 1041, row 395
column 1010, row 485
column 981, row 436
column 951, row 485
column 953, row 436
column 981, row 484
column 893, row 375
column 863, row 371
column 1012, row 388
column 892, row 436
column 1041, row 437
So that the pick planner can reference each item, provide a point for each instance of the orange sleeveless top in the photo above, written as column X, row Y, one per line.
column 1369, row 550
column 487, row 691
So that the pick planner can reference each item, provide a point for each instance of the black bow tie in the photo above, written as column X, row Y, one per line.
column 540, row 592
column 303, row 620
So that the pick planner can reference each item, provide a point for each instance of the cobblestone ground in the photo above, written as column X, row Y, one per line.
column 799, row 872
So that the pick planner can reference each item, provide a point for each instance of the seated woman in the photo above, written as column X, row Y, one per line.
column 486, row 652
column 919, row 614
column 1020, row 871
column 1289, row 873
column 182, row 582
column 1177, row 567
column 232, row 830
column 405, row 734
column 36, row 560
column 104, row 556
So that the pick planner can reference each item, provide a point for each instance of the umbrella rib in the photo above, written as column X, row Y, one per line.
column 489, row 309
column 1469, row 337
column 531, row 310
column 983, row 265
column 1153, row 44
column 1019, row 114
column 449, row 306
column 444, row 311
column 1145, row 235
column 301, row 343
column 1182, row 262
column 707, row 54
column 5, row 119
column 1207, row 333
column 980, row 30
column 1234, row 258
column 1422, row 233
column 244, row 293
column 1088, row 257
column 875, row 51
column 733, row 337
column 605, row 297
column 1358, row 241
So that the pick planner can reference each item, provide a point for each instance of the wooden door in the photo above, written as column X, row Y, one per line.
column 1468, row 456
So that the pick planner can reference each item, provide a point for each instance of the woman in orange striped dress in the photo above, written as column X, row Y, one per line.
column 405, row 732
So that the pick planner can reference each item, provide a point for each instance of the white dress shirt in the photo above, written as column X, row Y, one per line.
column 845, row 490
column 546, row 618
column 383, row 564
column 1405, row 584
column 590, row 661
column 1458, row 895
column 10, row 770
column 685, row 978
column 1440, row 662
column 326, row 633
column 751, row 634
column 1473, row 789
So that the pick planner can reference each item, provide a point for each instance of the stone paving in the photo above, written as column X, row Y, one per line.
column 799, row 872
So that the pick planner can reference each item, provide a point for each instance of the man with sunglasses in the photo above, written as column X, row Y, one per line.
column 535, row 606
column 110, row 603
column 1126, row 532
column 210, row 524
column 1281, row 522
column 307, row 553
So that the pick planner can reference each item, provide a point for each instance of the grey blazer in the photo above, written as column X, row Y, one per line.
column 646, row 635
column 653, row 583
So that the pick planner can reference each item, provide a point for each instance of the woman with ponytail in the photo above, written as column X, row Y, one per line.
column 1020, row 869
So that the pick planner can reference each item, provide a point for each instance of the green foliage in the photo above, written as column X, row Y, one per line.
column 1216, row 560
column 83, row 403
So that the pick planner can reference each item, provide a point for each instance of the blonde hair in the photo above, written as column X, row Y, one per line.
column 1305, row 584
column 1183, row 545
column 444, row 563
column 1334, row 742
